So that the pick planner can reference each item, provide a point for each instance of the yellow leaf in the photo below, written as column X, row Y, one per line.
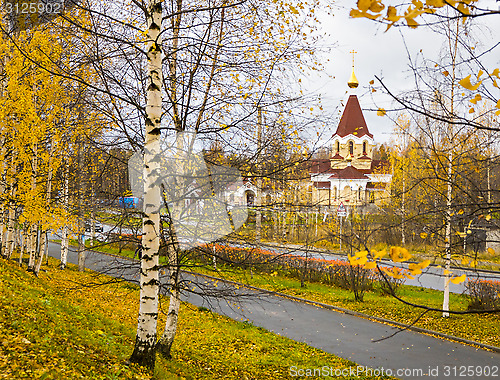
column 462, row 8
column 414, row 268
column 364, row 5
column 459, row 279
column 394, row 272
column 464, row 261
column 424, row 264
column 475, row 99
column 361, row 254
column 491, row 251
column 460, row 212
column 468, row 85
column 381, row 112
column 435, row 3
column 446, row 272
column 418, row 4
column 411, row 22
column 479, row 74
column 372, row 81
column 376, row 6
column 446, row 73
column 399, row 254
column 371, row 265
column 423, row 235
column 379, row 254
column 496, row 73
column 355, row 13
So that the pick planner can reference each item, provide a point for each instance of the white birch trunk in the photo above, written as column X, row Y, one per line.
column 32, row 246
column 65, row 230
column 164, row 345
column 8, row 247
column 446, row 295
column 92, row 215
column 144, row 350
column 22, row 244
column 48, row 194
column 3, row 174
column 41, row 252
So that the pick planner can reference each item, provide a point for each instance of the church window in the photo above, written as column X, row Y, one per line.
column 364, row 148
column 351, row 148
column 338, row 147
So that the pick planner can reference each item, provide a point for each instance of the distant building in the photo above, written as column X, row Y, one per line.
column 350, row 175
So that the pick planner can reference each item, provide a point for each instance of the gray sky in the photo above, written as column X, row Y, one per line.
column 378, row 53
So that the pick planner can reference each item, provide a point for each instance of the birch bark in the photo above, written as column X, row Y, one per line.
column 64, row 238
column 144, row 350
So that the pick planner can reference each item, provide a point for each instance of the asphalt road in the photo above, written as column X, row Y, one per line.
column 407, row 355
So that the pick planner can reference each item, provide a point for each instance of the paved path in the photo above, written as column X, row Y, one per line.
column 409, row 355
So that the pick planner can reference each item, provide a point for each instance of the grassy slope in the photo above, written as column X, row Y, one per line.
column 58, row 326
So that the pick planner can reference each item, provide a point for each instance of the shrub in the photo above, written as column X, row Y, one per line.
column 331, row 272
column 389, row 285
column 483, row 294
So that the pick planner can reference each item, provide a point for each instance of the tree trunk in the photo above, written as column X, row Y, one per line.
column 81, row 245
column 33, row 233
column 22, row 244
column 145, row 341
column 8, row 247
column 64, row 238
column 164, row 345
column 41, row 252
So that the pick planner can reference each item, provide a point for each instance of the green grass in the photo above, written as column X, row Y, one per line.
column 61, row 326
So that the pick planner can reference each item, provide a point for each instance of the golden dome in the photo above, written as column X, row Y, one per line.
column 353, row 81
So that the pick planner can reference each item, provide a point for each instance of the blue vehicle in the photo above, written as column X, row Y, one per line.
column 128, row 202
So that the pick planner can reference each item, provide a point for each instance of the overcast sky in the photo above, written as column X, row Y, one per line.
column 378, row 53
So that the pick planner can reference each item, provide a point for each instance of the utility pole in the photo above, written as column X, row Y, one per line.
column 446, row 293
column 258, row 196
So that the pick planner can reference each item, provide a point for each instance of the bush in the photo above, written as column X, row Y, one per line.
column 388, row 285
column 330, row 272
column 483, row 294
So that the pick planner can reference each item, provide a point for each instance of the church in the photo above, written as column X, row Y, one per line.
column 351, row 175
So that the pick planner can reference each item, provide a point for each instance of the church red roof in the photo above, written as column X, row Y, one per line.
column 337, row 157
column 349, row 173
column 352, row 121
column 320, row 166
column 322, row 185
